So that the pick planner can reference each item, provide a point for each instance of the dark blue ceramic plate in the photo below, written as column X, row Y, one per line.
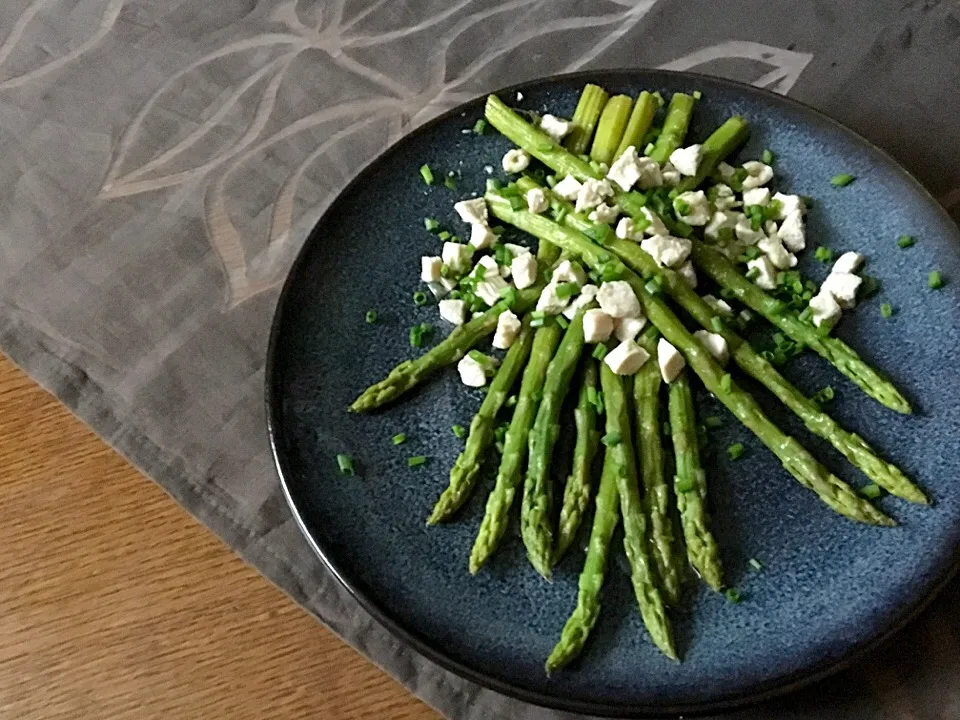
column 828, row 588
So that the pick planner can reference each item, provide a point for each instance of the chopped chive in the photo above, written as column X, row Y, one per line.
column 735, row 451
column 427, row 174
column 431, row 224
column 419, row 298
column 682, row 207
column 726, row 382
column 823, row 254
column 538, row 315
column 755, row 564
column 563, row 322
column 456, row 239
column 480, row 126
column 713, row 422
column 565, row 290
column 538, row 322
column 370, row 317
column 733, row 596
column 717, row 324
column 510, row 401
column 886, row 310
column 450, row 181
column 905, row 241
column 649, row 148
column 460, row 431
column 480, row 273
column 509, row 296
column 697, row 94
column 651, row 287
column 600, row 351
column 768, row 157
column 398, row 439
column 683, row 485
column 611, row 439
column 871, row 491
column 842, row 180
column 345, row 463
column 935, row 280
column 416, row 460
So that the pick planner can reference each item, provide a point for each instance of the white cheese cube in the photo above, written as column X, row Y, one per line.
column 551, row 303
column 629, row 327
column 555, row 127
column 592, row 193
column 726, row 171
column 604, row 213
column 758, row 174
column 715, row 345
column 670, row 360
column 472, row 373
column 650, row 174
column 453, row 311
column 666, row 250
column 597, row 326
column 442, row 288
column 618, row 300
column 473, row 212
column 587, row 295
column 687, row 160
column 849, row 262
column 430, row 268
column 568, row 188
column 626, row 230
column 482, row 237
column 756, row 196
column 489, row 289
column 670, row 175
column 777, row 253
column 789, row 204
column 508, row 327
column 536, row 200
column 523, row 268
column 765, row 274
column 724, row 197
column 824, row 309
column 569, row 272
column 515, row 161
column 626, row 358
column 626, row 169
column 745, row 232
column 456, row 256
column 792, row 232
column 721, row 307
column 721, row 220
column 489, row 266
column 696, row 207
column 688, row 274
column 843, row 287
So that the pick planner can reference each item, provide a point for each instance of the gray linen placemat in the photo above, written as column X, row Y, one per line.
column 163, row 162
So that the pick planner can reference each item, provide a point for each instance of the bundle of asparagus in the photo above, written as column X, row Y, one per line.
column 598, row 152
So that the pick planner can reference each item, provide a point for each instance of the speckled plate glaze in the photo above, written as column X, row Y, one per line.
column 829, row 588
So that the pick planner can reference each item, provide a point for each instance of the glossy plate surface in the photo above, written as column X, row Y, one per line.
column 828, row 588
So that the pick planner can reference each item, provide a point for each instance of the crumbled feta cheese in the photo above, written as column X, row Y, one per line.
column 687, row 160
column 724, row 197
column 626, row 230
column 597, row 326
column 770, row 227
column 792, row 232
column 508, row 327
column 523, row 268
column 626, row 358
column 629, row 327
column 655, row 225
column 670, row 175
column 618, row 300
column 569, row 271
column 442, row 288
column 456, row 256
column 670, row 359
column 789, row 204
column 515, row 161
column 843, row 286
column 688, row 274
column 721, row 307
column 592, row 193
column 489, row 289
column 453, row 311
column 745, row 232
column 766, row 273
column 756, row 196
column 777, row 253
column 473, row 211
column 519, row 96
column 537, row 200
column 516, row 250
column 758, row 174
column 482, row 237
column 698, row 207
column 555, row 127
column 715, row 345
column 587, row 295
column 551, row 303
column 626, row 169
column 568, row 188
column 849, row 262
column 430, row 268
column 824, row 309
column 650, row 174
column 488, row 169
column 726, row 170
column 472, row 373
column 489, row 266
column 721, row 220
column 604, row 213
column 667, row 250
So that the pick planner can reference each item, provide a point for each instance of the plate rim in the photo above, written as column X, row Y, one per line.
column 779, row 686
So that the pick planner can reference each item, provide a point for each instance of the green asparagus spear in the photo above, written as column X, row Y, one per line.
column 536, row 523
column 635, row 540
column 656, row 492
column 584, row 617
column 840, row 355
column 576, row 494
column 721, row 142
column 800, row 463
column 463, row 474
column 690, row 485
column 613, row 123
column 640, row 120
column 585, row 118
column 495, row 520
column 851, row 445
column 675, row 124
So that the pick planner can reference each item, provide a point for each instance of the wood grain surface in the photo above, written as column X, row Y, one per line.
column 115, row 603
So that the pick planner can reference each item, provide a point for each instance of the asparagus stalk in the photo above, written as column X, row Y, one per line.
column 640, row 121
column 577, row 628
column 463, row 474
column 656, row 492
column 495, row 519
column 690, row 485
column 721, row 142
column 635, row 540
column 675, row 124
column 585, row 118
column 536, row 523
column 576, row 494
column 613, row 123
column 854, row 448
column 800, row 463
column 837, row 352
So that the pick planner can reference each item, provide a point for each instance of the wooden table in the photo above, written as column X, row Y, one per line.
column 114, row 603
